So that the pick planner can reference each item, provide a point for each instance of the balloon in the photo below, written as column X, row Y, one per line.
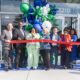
column 50, row 17
column 44, row 18
column 37, row 22
column 24, row 18
column 47, row 24
column 37, row 3
column 38, row 12
column 48, row 7
column 44, row 11
column 38, row 27
column 24, row 7
column 31, row 10
column 31, row 18
column 31, row 15
column 53, row 9
column 28, row 27
column 44, row 2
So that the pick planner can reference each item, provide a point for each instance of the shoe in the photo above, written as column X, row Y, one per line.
column 10, row 68
column 28, row 68
column 6, row 69
column 47, row 68
column 34, row 68
column 17, row 68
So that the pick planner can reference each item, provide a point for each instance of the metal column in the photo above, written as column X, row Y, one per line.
column 0, row 43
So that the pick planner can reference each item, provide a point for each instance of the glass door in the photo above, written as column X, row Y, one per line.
column 60, row 22
column 78, row 26
column 10, row 18
column 0, row 43
column 4, row 20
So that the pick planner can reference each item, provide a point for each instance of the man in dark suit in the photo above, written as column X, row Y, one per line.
column 19, row 34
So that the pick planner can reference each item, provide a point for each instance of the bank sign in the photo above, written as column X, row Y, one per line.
column 67, row 8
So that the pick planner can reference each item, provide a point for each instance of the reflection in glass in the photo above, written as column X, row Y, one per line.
column 10, row 5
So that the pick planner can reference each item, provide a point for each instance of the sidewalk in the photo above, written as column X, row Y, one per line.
column 40, row 75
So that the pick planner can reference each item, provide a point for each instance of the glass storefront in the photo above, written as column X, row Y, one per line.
column 9, row 12
column 65, row 1
column 6, row 18
column 10, row 5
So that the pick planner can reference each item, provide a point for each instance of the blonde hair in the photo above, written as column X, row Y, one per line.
column 10, row 25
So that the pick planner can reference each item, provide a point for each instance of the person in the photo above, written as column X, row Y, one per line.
column 78, row 46
column 33, row 49
column 6, row 37
column 45, row 49
column 20, row 34
column 66, row 49
column 74, row 47
column 54, row 47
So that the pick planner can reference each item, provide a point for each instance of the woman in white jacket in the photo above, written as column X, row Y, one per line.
column 33, row 49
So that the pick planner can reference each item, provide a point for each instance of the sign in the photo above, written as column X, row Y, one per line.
column 67, row 8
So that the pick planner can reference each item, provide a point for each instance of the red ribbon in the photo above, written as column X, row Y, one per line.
column 47, row 41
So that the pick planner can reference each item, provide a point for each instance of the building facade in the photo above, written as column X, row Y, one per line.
column 68, row 14
column 9, row 11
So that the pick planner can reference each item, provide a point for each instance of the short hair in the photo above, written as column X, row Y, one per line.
column 53, row 28
column 66, row 29
column 35, row 30
column 75, row 33
column 9, row 24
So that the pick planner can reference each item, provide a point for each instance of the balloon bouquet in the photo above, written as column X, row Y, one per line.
column 39, row 16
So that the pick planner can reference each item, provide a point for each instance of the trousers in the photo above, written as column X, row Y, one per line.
column 33, row 56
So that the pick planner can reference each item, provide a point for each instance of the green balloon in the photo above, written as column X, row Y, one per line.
column 28, row 27
column 44, row 18
column 49, row 10
column 50, row 17
column 38, row 12
column 24, row 7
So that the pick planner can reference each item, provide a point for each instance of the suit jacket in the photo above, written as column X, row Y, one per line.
column 6, row 36
column 19, row 34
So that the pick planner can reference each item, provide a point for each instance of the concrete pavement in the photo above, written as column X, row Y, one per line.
column 40, row 75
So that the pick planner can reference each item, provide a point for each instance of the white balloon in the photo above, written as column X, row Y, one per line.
column 48, row 7
column 47, row 24
column 44, row 11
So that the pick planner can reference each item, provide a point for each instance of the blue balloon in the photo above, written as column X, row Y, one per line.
column 44, row 2
column 31, row 16
column 40, row 3
column 31, row 9
column 37, row 3
column 54, row 11
column 38, row 21
column 38, row 27
column 31, row 19
column 24, row 18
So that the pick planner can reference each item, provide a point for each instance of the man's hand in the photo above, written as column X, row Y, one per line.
column 19, row 38
column 8, row 41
